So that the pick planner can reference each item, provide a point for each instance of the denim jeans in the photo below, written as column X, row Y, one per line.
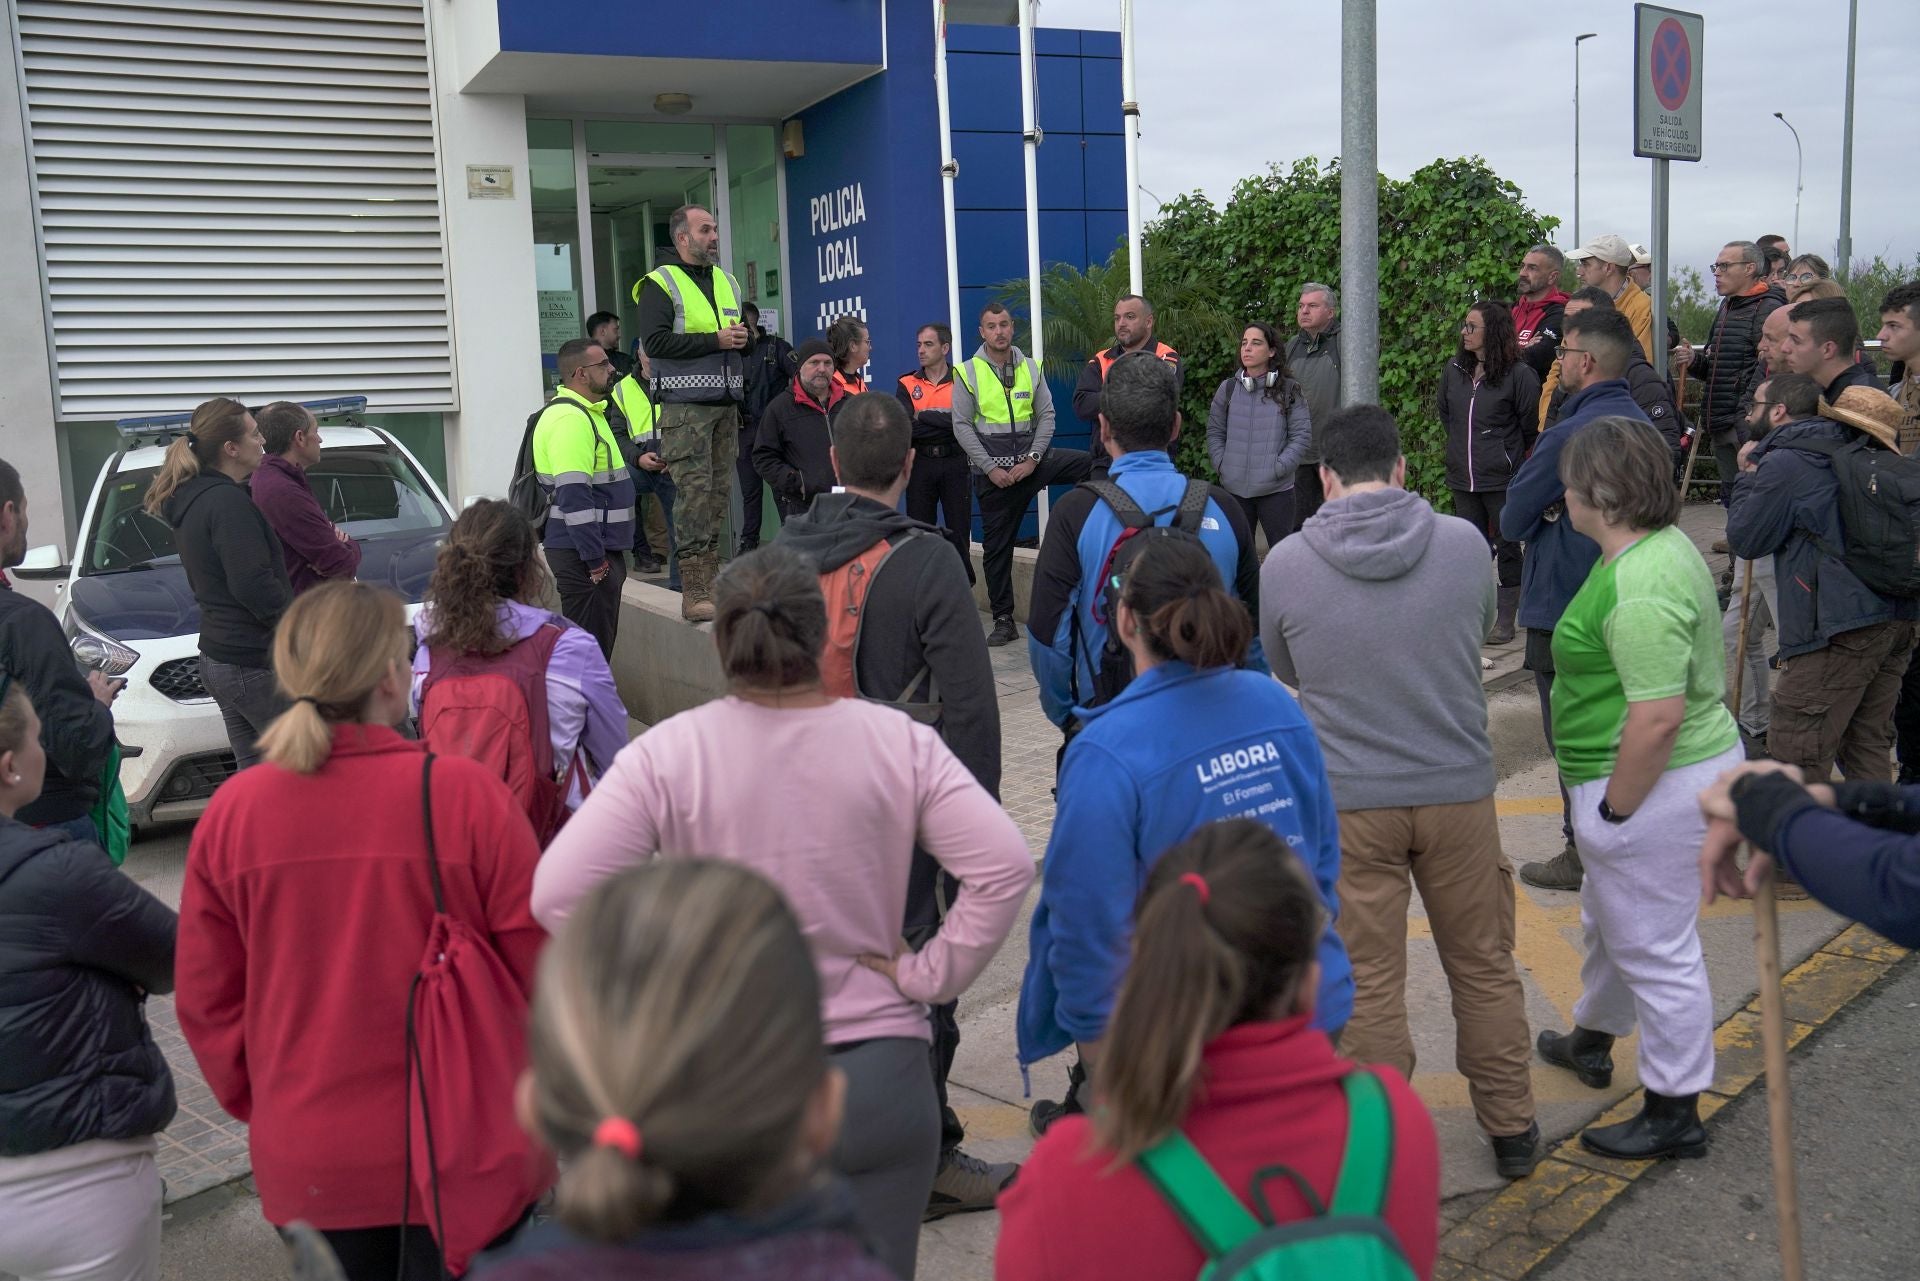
column 248, row 702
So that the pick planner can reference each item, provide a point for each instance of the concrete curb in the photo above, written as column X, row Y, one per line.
column 1525, row 1225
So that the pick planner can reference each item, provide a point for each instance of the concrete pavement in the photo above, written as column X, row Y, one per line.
column 1853, row 1087
column 219, row 1235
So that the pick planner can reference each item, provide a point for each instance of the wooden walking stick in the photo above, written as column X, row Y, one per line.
column 1740, row 651
column 1773, row 1037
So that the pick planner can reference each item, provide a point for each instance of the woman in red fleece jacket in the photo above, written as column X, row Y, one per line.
column 1211, row 1036
column 305, row 914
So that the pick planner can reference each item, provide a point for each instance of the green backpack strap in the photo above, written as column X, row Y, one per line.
column 1205, row 1204
column 1362, row 1188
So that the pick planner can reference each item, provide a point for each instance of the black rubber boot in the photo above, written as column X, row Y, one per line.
column 1515, row 1155
column 1509, row 604
column 1669, row 1125
column 1588, row 1055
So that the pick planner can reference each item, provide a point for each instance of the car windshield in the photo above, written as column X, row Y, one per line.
column 366, row 490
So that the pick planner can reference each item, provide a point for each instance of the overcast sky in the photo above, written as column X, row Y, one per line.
column 1222, row 94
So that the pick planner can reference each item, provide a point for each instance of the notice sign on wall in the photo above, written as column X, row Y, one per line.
column 1667, row 88
column 559, row 318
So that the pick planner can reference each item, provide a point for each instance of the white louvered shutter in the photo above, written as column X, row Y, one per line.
column 237, row 197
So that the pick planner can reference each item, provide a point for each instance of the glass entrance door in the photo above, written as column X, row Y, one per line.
column 630, row 203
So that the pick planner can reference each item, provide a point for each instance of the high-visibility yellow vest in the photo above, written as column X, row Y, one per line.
column 995, row 403
column 713, row 379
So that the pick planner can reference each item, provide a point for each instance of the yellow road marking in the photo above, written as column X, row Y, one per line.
column 1513, row 806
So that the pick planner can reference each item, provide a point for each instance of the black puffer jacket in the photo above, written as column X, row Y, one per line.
column 234, row 565
column 80, row 944
column 1490, row 426
column 75, row 727
column 1732, row 356
column 1650, row 392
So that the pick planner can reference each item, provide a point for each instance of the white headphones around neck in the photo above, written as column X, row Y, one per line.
column 1255, row 384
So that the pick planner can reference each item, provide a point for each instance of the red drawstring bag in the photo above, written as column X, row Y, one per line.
column 466, row 1048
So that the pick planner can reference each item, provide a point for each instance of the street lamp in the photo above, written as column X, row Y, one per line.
column 1798, row 169
column 1576, row 134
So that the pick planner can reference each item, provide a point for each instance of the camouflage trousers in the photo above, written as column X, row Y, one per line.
column 698, row 444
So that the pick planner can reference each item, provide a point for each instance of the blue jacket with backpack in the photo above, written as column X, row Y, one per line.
column 1785, row 508
column 1080, row 535
column 1179, row 747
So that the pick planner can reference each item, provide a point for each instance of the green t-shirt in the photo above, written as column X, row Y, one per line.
column 1644, row 626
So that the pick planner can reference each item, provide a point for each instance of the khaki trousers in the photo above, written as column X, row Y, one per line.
column 1452, row 853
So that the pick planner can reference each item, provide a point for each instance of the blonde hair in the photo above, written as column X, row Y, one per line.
column 214, row 424
column 683, row 1000
column 334, row 645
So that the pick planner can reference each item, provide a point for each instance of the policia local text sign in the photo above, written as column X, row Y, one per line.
column 1667, row 83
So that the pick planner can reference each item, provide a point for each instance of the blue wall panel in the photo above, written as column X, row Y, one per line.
column 1100, row 95
column 992, row 171
column 754, row 30
column 1105, row 159
column 1058, row 105
column 1062, row 174
column 983, row 91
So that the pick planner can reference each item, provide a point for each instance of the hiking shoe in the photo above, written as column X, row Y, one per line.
column 1004, row 632
column 1561, row 872
column 964, row 1184
column 1515, row 1155
column 1045, row 1113
column 647, row 563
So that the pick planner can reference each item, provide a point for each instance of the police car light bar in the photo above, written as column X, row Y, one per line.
column 175, row 423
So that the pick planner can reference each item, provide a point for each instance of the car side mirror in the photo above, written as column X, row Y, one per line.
column 42, row 563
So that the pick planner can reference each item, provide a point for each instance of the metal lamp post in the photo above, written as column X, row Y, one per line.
column 1799, row 169
column 1576, row 134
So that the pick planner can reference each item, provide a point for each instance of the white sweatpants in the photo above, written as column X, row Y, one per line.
column 1640, row 912
column 90, row 1212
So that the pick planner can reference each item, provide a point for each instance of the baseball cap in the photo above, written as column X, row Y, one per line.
column 1608, row 248
column 1642, row 256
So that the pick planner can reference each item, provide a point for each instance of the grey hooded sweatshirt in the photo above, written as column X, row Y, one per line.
column 1376, row 614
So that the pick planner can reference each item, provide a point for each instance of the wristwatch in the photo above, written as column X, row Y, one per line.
column 1033, row 457
column 1608, row 814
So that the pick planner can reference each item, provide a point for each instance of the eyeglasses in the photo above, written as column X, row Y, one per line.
column 1722, row 268
column 1468, row 327
column 1802, row 278
column 599, row 364
column 1564, row 351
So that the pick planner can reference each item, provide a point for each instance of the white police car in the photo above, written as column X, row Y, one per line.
column 128, row 610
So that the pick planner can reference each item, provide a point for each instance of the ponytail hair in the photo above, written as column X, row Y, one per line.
column 681, row 1004
column 215, row 423
column 1174, row 589
column 769, row 619
column 1225, row 933
column 333, row 647
column 489, row 557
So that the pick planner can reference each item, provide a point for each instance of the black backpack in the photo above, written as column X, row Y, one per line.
column 1879, row 513
column 524, row 491
column 1114, row 670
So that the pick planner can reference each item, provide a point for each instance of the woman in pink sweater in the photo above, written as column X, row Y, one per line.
column 827, row 798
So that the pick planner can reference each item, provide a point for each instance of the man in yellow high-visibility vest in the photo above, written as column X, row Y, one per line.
column 691, row 329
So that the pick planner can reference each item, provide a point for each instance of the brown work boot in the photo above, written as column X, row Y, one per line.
column 1561, row 872
column 696, row 589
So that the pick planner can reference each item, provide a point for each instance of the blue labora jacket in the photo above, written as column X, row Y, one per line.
column 1178, row 748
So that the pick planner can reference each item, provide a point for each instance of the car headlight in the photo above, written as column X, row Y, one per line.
column 95, row 650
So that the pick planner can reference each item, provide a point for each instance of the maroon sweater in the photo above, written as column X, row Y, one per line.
column 311, row 544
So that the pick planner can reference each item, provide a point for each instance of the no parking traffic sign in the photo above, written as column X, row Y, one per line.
column 1667, row 83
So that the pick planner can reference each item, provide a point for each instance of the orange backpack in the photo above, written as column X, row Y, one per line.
column 846, row 591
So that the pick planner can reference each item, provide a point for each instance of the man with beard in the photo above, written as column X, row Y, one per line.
column 1538, row 308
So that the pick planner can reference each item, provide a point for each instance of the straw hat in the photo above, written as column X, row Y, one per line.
column 1870, row 410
